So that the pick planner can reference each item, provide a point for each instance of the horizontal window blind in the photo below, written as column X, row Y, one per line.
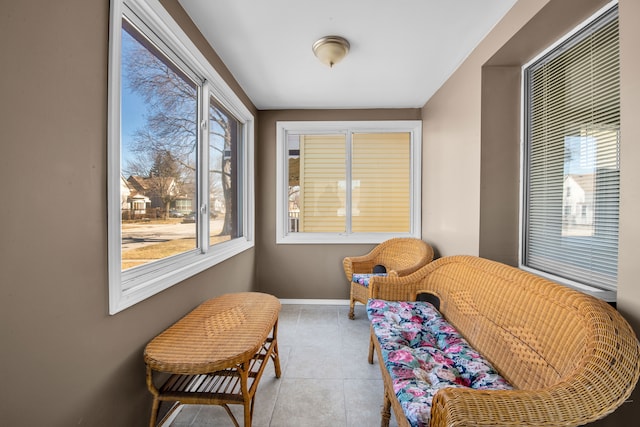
column 572, row 157
column 381, row 177
column 322, row 183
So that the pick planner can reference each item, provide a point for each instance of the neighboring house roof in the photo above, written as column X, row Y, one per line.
column 137, row 182
column 151, row 186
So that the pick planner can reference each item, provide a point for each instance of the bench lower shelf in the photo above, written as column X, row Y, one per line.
column 235, row 385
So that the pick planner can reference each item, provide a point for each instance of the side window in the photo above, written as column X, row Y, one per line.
column 180, row 178
column 572, row 158
column 225, row 171
column 348, row 182
column 159, row 137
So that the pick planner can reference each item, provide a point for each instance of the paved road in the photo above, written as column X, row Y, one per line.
column 142, row 234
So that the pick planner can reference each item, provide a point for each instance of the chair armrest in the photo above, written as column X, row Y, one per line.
column 407, row 271
column 357, row 264
column 400, row 288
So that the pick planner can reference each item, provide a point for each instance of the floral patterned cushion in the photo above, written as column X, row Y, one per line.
column 363, row 279
column 424, row 353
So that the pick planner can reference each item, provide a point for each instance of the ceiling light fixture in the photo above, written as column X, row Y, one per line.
column 331, row 49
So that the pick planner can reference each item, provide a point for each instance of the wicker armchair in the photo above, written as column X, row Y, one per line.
column 400, row 256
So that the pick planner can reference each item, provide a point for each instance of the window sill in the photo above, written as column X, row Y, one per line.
column 337, row 238
column 603, row 294
column 128, row 288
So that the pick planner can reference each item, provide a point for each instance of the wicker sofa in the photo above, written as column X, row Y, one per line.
column 570, row 358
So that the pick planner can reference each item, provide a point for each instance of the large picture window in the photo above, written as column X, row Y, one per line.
column 348, row 182
column 572, row 158
column 180, row 183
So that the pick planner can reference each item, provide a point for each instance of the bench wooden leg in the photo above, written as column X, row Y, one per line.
column 154, row 412
column 370, row 350
column 275, row 355
column 352, row 303
column 247, row 398
column 248, row 409
column 233, row 418
column 155, row 407
column 386, row 411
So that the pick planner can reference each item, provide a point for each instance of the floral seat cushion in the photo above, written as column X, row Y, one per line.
column 424, row 353
column 363, row 278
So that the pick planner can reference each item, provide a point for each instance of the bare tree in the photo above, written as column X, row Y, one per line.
column 171, row 123
column 222, row 129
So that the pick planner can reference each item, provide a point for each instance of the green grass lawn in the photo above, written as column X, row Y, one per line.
column 146, row 254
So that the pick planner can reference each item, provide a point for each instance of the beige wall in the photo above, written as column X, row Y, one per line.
column 499, row 163
column 628, row 265
column 63, row 360
column 60, row 350
column 301, row 271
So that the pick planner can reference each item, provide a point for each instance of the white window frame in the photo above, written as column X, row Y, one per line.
column 414, row 127
column 134, row 285
column 604, row 294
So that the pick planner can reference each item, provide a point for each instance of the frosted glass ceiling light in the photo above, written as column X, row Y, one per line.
column 331, row 49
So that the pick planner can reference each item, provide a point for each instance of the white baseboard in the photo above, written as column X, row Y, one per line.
column 315, row 301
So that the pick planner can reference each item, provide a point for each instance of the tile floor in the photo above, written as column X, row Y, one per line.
column 326, row 379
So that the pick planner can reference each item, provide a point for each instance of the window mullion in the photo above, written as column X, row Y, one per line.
column 203, row 165
column 348, row 182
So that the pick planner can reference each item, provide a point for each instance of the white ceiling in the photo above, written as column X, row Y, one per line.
column 402, row 51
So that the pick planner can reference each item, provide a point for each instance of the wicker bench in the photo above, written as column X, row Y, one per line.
column 570, row 358
column 216, row 354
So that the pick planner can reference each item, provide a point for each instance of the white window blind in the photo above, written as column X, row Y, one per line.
column 322, row 170
column 381, row 182
column 571, row 157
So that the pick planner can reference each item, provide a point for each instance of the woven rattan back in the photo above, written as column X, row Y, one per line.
column 402, row 254
column 537, row 333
